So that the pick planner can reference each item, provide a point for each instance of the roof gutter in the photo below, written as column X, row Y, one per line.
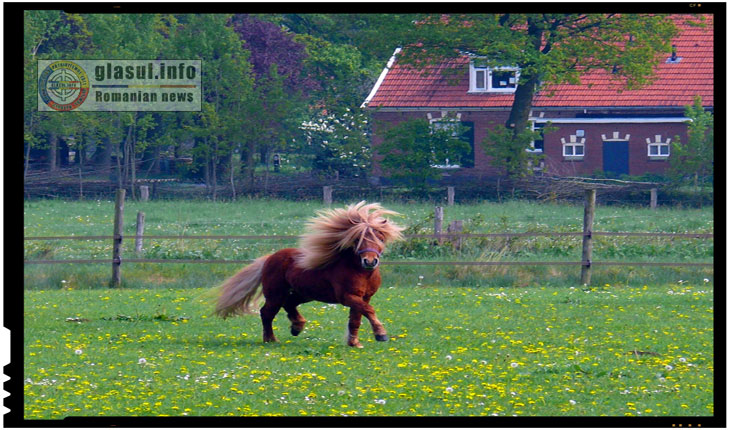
column 614, row 120
column 507, row 108
column 381, row 78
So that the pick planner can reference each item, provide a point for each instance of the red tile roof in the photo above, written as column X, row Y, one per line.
column 676, row 84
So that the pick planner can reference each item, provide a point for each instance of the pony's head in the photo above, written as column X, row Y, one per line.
column 361, row 227
column 370, row 249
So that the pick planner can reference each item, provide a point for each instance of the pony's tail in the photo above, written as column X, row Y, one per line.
column 240, row 294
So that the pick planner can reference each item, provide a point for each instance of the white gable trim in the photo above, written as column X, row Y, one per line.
column 381, row 78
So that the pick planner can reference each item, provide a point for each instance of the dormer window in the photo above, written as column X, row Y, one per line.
column 483, row 79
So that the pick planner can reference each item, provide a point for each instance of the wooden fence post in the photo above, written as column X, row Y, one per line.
column 438, row 222
column 327, row 194
column 144, row 191
column 140, row 232
column 653, row 198
column 116, row 280
column 450, row 195
column 456, row 227
column 588, row 214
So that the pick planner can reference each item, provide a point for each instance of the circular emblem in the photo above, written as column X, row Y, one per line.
column 63, row 86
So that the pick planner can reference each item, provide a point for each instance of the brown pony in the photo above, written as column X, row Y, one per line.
column 336, row 262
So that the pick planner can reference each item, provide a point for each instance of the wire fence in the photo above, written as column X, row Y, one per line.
column 445, row 236
column 407, row 236
column 453, row 234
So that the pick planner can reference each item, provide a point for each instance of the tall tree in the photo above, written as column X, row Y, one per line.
column 280, row 86
column 227, row 83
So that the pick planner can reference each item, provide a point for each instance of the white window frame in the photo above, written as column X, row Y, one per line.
column 532, row 143
column 445, row 122
column 658, row 144
column 573, row 143
column 473, row 70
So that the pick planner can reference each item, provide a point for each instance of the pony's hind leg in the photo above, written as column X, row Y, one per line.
column 268, row 312
column 290, row 306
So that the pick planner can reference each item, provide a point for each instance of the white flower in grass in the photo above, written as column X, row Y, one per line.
column 142, row 361
column 572, row 402
column 514, row 365
column 79, row 352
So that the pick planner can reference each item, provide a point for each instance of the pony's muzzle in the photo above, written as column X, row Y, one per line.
column 369, row 264
column 369, row 258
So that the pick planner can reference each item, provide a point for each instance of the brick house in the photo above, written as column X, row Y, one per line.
column 598, row 127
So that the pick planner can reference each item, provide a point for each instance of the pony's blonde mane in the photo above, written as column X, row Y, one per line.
column 335, row 230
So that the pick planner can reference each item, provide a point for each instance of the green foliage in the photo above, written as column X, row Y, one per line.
column 511, row 153
column 692, row 162
column 558, row 48
column 412, row 149
column 242, row 117
column 339, row 143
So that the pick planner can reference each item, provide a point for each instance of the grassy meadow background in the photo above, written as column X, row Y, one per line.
column 517, row 340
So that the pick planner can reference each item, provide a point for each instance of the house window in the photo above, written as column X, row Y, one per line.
column 658, row 149
column 537, row 145
column 492, row 79
column 463, row 130
column 574, row 148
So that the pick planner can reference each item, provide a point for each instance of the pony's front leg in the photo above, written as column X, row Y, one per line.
column 362, row 307
column 353, row 326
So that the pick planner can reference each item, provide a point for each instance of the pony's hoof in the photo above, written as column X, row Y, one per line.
column 381, row 337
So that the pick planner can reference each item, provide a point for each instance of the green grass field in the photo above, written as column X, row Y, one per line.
column 518, row 340
column 609, row 350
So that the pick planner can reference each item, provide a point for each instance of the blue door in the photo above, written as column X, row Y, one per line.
column 616, row 158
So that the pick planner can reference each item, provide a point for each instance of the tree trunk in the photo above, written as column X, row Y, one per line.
column 519, row 116
column 120, row 183
column 233, row 183
column 52, row 151
column 133, row 160
column 214, row 165
column 520, row 113
column 250, row 149
column 126, row 145
column 27, row 153
column 27, row 163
